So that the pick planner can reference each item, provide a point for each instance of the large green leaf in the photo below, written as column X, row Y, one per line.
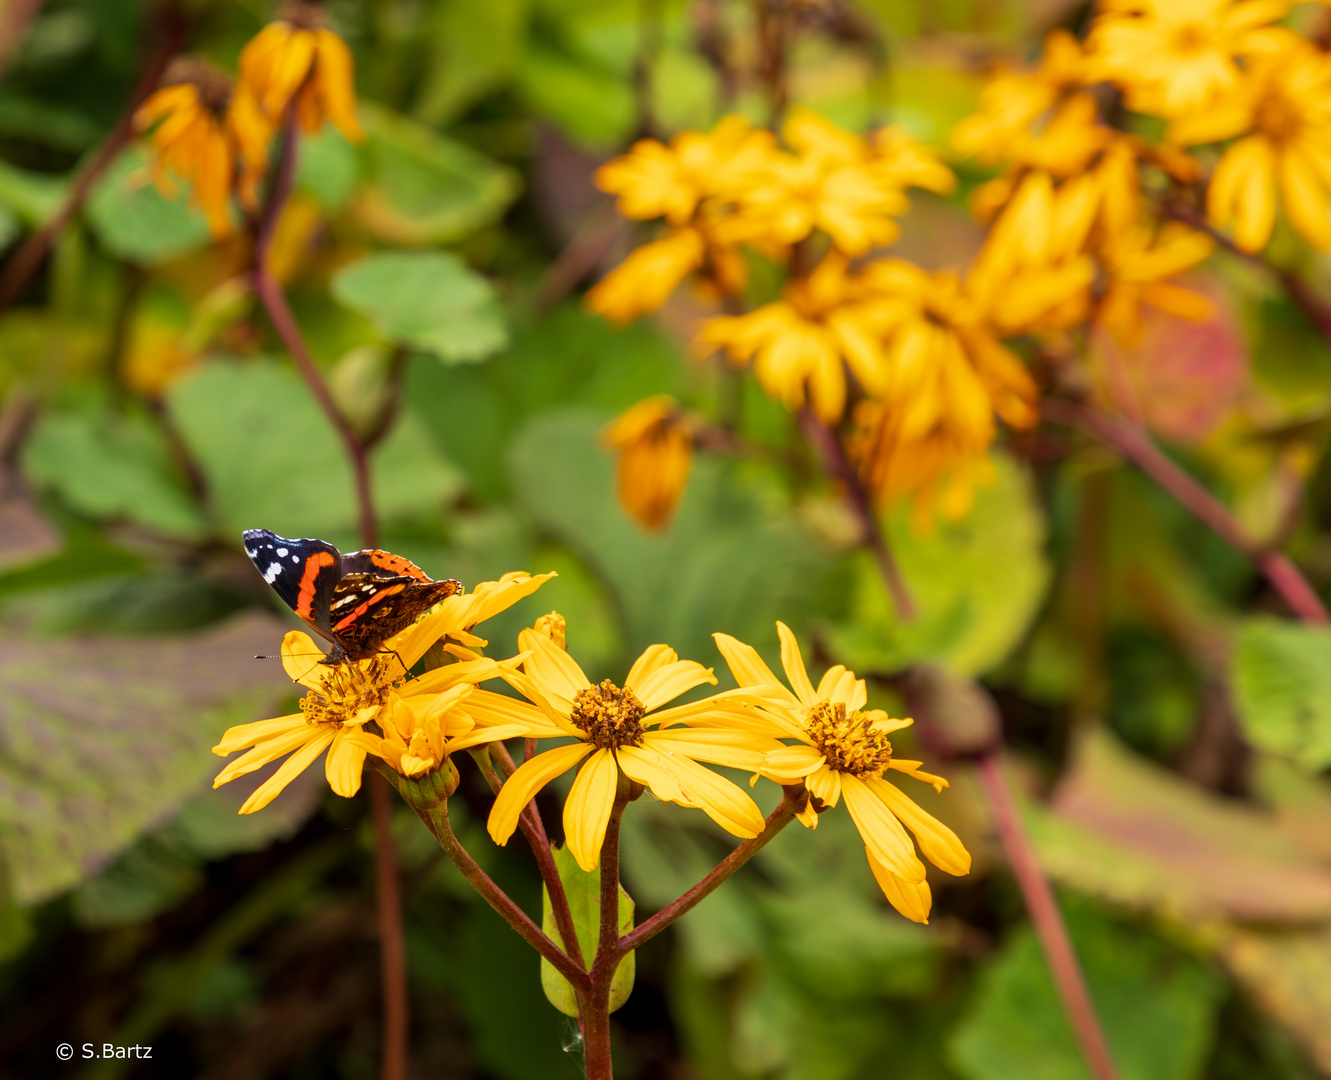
column 292, row 475
column 588, row 99
column 734, row 559
column 1281, row 678
column 32, row 197
column 101, row 738
column 976, row 582
column 429, row 300
column 583, row 891
column 476, row 48
column 423, row 188
column 111, row 466
column 135, row 221
column 1156, row 1003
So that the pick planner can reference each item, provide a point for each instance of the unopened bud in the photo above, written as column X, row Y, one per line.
column 552, row 626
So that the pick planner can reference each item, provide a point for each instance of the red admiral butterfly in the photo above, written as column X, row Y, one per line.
column 356, row 601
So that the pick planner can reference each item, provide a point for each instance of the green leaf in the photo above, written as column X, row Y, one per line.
column 1156, row 1003
column 584, row 901
column 328, row 168
column 587, row 99
column 136, row 222
column 1281, row 678
column 476, row 48
column 102, row 738
column 424, row 188
column 733, row 560
column 145, row 880
column 293, row 476
column 111, row 466
column 976, row 582
column 33, row 197
column 428, row 300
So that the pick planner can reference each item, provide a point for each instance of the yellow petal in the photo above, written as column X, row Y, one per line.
column 296, row 764
column 745, row 664
column 242, row 735
column 264, row 752
column 939, row 843
column 301, row 659
column 912, row 901
column 737, row 749
column 553, row 669
column 658, row 676
column 522, row 786
column 790, row 764
column 793, row 662
column 344, row 764
column 680, row 780
column 882, row 832
column 1305, row 198
column 825, row 785
column 912, row 768
column 587, row 808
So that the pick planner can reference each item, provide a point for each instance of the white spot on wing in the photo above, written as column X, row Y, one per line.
column 270, row 575
column 282, row 552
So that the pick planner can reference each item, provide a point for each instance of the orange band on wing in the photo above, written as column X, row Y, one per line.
column 396, row 564
column 343, row 623
column 305, row 599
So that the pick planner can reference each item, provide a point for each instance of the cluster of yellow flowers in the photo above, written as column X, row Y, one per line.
column 822, row 738
column 217, row 135
column 1088, row 219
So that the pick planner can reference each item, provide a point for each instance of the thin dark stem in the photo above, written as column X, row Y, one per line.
column 1047, row 920
column 1135, row 444
column 533, row 828
column 595, row 1004
column 275, row 302
column 436, row 820
column 649, row 49
column 171, row 32
column 828, row 448
column 777, row 820
column 387, row 887
column 392, row 955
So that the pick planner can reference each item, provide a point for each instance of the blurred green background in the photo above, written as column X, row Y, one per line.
column 149, row 415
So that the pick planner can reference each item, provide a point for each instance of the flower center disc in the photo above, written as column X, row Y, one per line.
column 850, row 743
column 611, row 717
column 347, row 690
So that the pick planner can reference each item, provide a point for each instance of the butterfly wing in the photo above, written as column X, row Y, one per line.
column 382, row 563
column 368, row 609
column 304, row 573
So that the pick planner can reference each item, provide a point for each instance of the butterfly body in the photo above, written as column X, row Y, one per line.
column 356, row 601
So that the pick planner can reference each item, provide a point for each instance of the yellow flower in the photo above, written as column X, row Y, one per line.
column 843, row 750
column 343, row 698
column 554, row 627
column 1175, row 55
column 938, row 471
column 297, row 56
column 1136, row 264
column 613, row 729
column 1282, row 108
column 206, row 133
column 655, row 450
column 1012, row 101
column 654, row 180
column 645, row 280
column 802, row 343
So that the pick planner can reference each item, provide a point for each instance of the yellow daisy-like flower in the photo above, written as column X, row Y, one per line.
column 1175, row 55
column 655, row 180
column 1012, row 101
column 622, row 730
column 655, row 448
column 341, row 699
column 645, row 280
column 843, row 751
column 1282, row 110
column 1136, row 265
column 297, row 56
column 801, row 344
column 208, row 133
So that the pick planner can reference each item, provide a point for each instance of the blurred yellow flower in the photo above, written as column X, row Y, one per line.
column 1012, row 101
column 1136, row 263
column 843, row 750
column 645, row 280
column 1175, row 55
column 801, row 344
column 611, row 726
column 207, row 133
column 655, row 449
column 1282, row 110
column 342, row 698
column 297, row 56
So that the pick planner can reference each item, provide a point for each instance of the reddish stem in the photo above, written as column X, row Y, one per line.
column 594, row 1005
column 1135, row 444
column 1047, row 920
column 392, row 955
column 34, row 250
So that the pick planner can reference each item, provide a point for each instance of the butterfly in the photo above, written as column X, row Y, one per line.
column 355, row 601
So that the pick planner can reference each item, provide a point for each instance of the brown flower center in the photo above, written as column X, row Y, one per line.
column 1191, row 38
column 849, row 742
column 1278, row 118
column 212, row 84
column 349, row 688
column 611, row 717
